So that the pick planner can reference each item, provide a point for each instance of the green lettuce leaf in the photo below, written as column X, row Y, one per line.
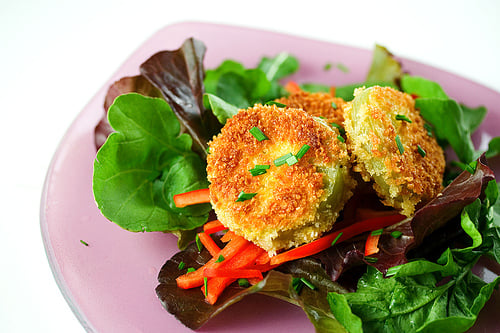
column 242, row 87
column 143, row 164
column 423, row 296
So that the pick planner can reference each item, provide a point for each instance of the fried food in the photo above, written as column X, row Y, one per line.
column 288, row 204
column 320, row 104
column 391, row 146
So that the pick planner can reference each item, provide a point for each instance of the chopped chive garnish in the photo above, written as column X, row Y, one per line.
column 400, row 145
column 245, row 196
column 308, row 283
column 243, row 283
column 278, row 104
column 205, row 285
column 327, row 66
column 343, row 67
column 297, row 284
column 84, row 242
column 421, row 151
column 377, row 232
column 291, row 160
column 396, row 234
column 198, row 243
column 257, row 172
column 393, row 270
column 220, row 259
column 182, row 264
column 334, row 105
column 282, row 160
column 428, row 128
column 340, row 138
column 403, row 117
column 340, row 128
column 302, row 151
column 191, row 269
column 371, row 259
column 257, row 133
column 336, row 239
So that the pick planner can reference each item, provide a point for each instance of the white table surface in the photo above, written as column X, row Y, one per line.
column 55, row 54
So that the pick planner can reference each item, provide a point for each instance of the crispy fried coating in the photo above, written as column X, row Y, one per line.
column 318, row 105
column 402, row 176
column 293, row 204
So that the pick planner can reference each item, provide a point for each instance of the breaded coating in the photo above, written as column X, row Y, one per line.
column 318, row 105
column 404, row 161
column 293, row 204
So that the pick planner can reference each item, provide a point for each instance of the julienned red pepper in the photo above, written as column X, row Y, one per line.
column 325, row 242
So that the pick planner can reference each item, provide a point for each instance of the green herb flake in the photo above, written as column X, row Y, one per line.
column 371, row 259
column 282, row 160
column 396, row 234
column 220, row 259
column 245, row 196
column 292, row 160
column 428, row 128
column 403, row 117
column 297, row 284
column 421, row 151
column 278, row 104
column 340, row 128
column 198, row 243
column 205, row 285
column 343, row 67
column 308, row 283
column 302, row 151
column 341, row 138
column 336, row 239
column 327, row 66
column 181, row 266
column 243, row 283
column 257, row 133
column 257, row 172
column 84, row 242
column 377, row 232
column 400, row 145
column 334, row 105
column 191, row 270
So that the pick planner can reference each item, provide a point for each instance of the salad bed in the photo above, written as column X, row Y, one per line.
column 148, row 161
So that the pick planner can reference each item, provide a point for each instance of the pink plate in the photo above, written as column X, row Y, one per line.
column 110, row 284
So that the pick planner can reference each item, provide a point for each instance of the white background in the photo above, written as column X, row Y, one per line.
column 55, row 54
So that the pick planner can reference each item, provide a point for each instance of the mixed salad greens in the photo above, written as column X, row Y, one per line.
column 152, row 145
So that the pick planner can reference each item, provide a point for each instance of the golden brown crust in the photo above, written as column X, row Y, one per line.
column 402, row 180
column 318, row 105
column 288, row 197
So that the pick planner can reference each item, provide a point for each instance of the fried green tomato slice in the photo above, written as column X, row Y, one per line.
column 318, row 104
column 295, row 198
column 391, row 146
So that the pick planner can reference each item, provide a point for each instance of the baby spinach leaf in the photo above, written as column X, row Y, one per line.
column 421, row 87
column 449, row 125
column 143, row 164
column 493, row 147
column 414, row 303
column 221, row 109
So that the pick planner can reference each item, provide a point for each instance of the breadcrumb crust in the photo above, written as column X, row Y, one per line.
column 287, row 209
